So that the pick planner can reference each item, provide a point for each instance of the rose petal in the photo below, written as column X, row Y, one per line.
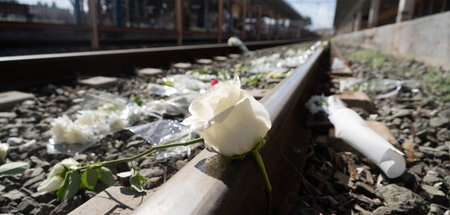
column 237, row 130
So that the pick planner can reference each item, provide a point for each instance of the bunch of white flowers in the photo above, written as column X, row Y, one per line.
column 88, row 126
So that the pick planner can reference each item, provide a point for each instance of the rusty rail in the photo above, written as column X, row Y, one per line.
column 210, row 184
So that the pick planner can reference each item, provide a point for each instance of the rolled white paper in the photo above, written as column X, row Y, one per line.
column 355, row 131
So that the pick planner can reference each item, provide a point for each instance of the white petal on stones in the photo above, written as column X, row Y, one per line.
column 50, row 184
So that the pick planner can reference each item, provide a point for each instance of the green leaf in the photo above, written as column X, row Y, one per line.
column 89, row 179
column 138, row 101
column 106, row 176
column 63, row 187
column 13, row 168
column 168, row 83
column 202, row 71
column 70, row 187
column 136, row 180
column 136, row 184
column 124, row 174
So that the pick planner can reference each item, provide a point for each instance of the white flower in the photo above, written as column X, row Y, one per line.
column 116, row 122
column 56, row 176
column 66, row 131
column 229, row 119
column 316, row 104
column 91, row 118
column 3, row 151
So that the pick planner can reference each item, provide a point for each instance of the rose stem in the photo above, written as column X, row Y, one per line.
column 148, row 151
column 260, row 163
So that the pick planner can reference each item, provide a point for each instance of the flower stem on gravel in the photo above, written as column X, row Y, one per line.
column 152, row 149
column 260, row 163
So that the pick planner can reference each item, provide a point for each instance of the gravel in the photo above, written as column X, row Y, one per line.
column 419, row 114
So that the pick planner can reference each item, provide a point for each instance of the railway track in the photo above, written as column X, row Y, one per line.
column 30, row 70
column 210, row 184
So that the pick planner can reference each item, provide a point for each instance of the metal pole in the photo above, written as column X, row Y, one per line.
column 278, row 26
column 77, row 10
column 219, row 21
column 244, row 17
column 118, row 7
column 94, row 36
column 100, row 13
column 373, row 13
column 258, row 34
column 269, row 33
column 205, row 14
column 179, row 20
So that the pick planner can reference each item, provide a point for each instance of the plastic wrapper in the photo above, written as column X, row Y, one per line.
column 163, row 132
column 182, row 82
column 386, row 87
column 339, row 65
column 356, row 132
column 162, row 90
column 173, row 106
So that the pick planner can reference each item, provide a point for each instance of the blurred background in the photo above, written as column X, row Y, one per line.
column 46, row 26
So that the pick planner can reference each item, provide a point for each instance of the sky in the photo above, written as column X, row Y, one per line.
column 320, row 11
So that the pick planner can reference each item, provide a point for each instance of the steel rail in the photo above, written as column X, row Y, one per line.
column 20, row 71
column 211, row 184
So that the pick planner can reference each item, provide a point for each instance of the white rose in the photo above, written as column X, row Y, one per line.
column 229, row 119
column 55, row 177
column 3, row 151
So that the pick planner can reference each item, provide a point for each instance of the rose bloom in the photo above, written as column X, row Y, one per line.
column 229, row 119
column 56, row 176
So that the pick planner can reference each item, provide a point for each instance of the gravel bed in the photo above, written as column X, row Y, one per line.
column 343, row 182
column 26, row 129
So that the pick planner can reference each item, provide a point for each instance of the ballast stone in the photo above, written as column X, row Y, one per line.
column 149, row 72
column 182, row 65
column 11, row 98
column 357, row 99
column 99, row 82
column 204, row 61
column 220, row 58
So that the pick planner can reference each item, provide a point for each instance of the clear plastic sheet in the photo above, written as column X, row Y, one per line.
column 97, row 99
column 387, row 87
column 173, row 106
column 163, row 132
column 182, row 82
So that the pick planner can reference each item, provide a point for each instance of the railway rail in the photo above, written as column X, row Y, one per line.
column 29, row 70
